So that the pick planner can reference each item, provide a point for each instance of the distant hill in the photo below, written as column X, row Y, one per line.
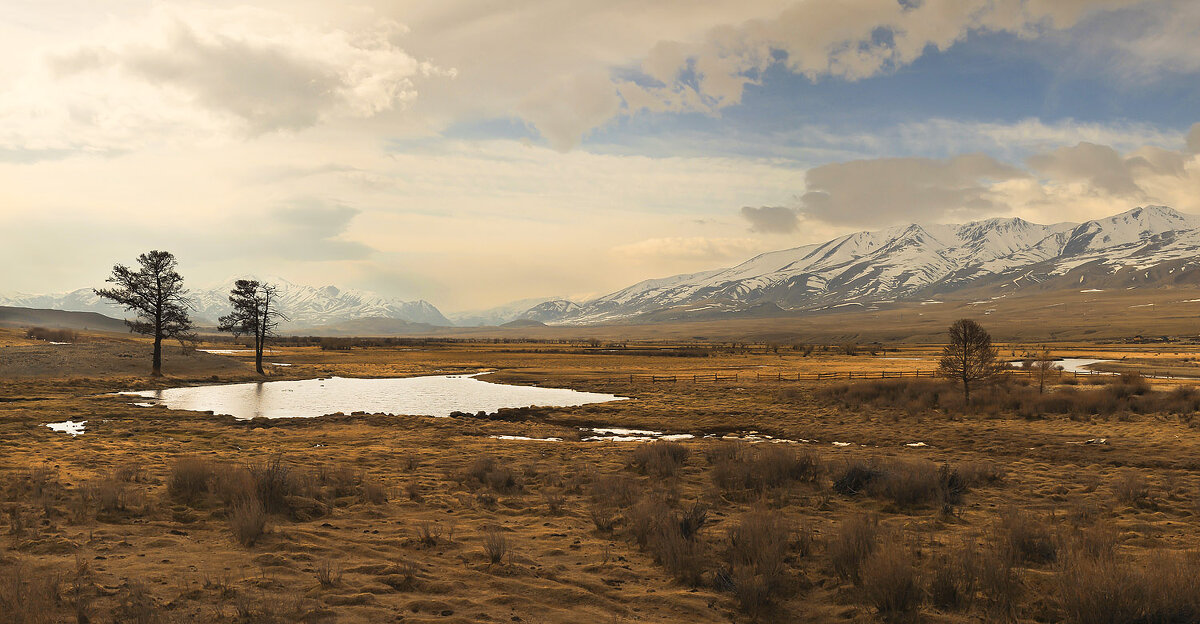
column 523, row 323
column 58, row 319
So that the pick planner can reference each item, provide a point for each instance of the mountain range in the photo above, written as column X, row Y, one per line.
column 305, row 306
column 1148, row 246
column 1151, row 246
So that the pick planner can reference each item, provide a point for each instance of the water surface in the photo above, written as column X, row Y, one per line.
column 417, row 396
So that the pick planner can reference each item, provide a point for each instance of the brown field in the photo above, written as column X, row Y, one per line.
column 1002, row 514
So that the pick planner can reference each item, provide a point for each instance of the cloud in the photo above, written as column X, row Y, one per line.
column 310, row 230
column 893, row 190
column 771, row 219
column 1098, row 165
column 687, row 248
column 1193, row 139
column 181, row 74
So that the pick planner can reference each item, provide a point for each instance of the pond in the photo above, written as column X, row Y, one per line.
column 416, row 396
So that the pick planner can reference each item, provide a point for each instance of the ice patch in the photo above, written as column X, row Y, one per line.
column 525, row 438
column 69, row 427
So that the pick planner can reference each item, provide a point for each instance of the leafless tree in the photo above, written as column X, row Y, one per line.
column 253, row 314
column 1043, row 367
column 155, row 293
column 969, row 357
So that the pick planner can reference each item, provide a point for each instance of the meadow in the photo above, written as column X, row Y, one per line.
column 890, row 500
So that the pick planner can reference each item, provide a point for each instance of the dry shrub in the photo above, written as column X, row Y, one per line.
column 906, row 483
column 1108, row 395
column 555, row 500
column 131, row 471
column 328, row 573
column 110, row 495
column 136, row 605
column 856, row 538
column 955, row 578
column 486, row 471
column 1025, row 538
column 495, row 545
column 373, row 492
column 1000, row 583
column 429, row 533
column 758, row 469
column 661, row 458
column 273, row 483
column 189, row 479
column 618, row 489
column 28, row 598
column 890, row 581
column 757, row 573
column 1108, row 590
column 248, row 521
column 1131, row 488
column 679, row 554
column 980, row 472
column 604, row 516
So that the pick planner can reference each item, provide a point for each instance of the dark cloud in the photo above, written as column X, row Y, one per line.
column 309, row 229
column 893, row 190
column 771, row 219
column 1099, row 165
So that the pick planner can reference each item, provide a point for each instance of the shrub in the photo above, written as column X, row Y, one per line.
column 328, row 573
column 486, row 471
column 189, row 479
column 1132, row 489
column 889, row 581
column 757, row 572
column 28, row 598
column 495, row 545
column 619, row 490
column 758, row 469
column 555, row 500
column 1026, row 539
column 854, row 477
column 1108, row 590
column 604, row 516
column 955, row 578
column 248, row 521
column 273, row 483
column 855, row 540
column 660, row 458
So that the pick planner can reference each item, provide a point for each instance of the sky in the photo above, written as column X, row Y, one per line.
column 473, row 152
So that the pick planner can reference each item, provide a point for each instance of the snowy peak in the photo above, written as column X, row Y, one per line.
column 305, row 306
column 908, row 262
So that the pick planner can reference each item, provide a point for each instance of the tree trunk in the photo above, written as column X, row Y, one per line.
column 967, row 391
column 258, row 351
column 157, row 367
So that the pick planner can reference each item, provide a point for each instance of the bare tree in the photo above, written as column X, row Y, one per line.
column 969, row 356
column 253, row 314
column 156, row 294
column 1043, row 367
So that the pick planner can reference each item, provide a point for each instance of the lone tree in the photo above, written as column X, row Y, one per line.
column 155, row 293
column 253, row 314
column 969, row 357
column 1043, row 368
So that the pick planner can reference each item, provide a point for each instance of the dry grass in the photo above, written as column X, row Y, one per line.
column 856, row 539
column 660, row 458
column 248, row 521
column 890, row 582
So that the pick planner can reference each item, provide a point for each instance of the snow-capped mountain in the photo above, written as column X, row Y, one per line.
column 912, row 262
column 305, row 306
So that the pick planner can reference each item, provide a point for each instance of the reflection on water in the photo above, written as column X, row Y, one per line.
column 417, row 396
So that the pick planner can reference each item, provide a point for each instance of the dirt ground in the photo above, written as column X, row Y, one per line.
column 92, row 515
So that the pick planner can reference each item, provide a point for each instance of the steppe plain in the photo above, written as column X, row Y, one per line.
column 988, row 513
